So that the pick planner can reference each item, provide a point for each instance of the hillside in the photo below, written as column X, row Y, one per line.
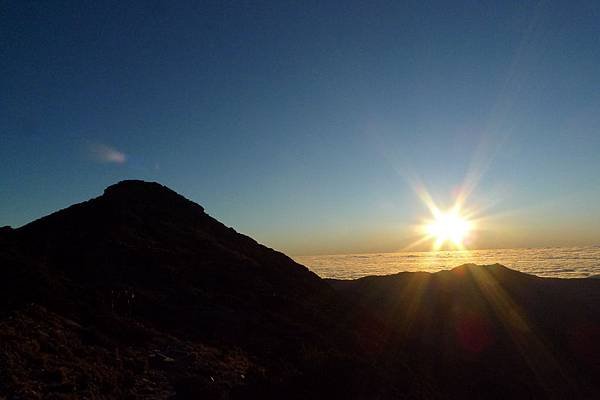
column 489, row 329
column 141, row 285
column 140, row 294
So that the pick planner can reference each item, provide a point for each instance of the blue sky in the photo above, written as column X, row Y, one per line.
column 304, row 123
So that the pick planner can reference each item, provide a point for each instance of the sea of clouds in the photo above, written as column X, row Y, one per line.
column 563, row 262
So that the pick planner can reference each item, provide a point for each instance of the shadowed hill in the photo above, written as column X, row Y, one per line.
column 141, row 265
column 146, row 236
column 489, row 329
column 140, row 294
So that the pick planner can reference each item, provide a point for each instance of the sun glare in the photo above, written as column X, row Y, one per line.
column 449, row 227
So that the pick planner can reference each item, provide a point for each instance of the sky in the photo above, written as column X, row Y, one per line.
column 311, row 126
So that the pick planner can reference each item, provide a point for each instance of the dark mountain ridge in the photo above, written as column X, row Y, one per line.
column 146, row 235
column 140, row 294
column 141, row 262
column 493, row 326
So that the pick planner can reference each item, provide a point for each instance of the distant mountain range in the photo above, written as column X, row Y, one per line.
column 140, row 294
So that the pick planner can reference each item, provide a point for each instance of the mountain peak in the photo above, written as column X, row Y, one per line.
column 136, row 186
column 495, row 269
column 133, row 183
column 138, row 191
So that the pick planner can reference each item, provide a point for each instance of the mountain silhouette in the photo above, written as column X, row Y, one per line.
column 140, row 294
column 146, row 275
column 489, row 330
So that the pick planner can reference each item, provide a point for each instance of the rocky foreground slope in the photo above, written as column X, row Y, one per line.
column 140, row 294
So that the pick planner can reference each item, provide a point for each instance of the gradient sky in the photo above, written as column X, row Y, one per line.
column 307, row 124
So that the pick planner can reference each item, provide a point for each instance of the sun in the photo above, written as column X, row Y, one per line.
column 448, row 227
column 452, row 228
